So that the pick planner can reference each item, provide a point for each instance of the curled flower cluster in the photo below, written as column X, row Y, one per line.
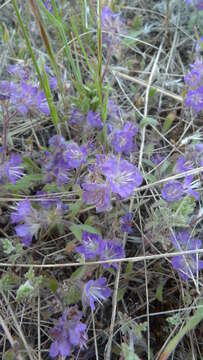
column 68, row 333
column 31, row 219
column 23, row 95
column 95, row 248
column 187, row 265
column 194, row 80
column 121, row 178
column 10, row 168
column 61, row 158
column 112, row 25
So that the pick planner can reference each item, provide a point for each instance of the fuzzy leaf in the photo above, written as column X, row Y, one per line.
column 128, row 353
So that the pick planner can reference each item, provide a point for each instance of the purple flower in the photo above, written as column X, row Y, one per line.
column 188, row 187
column 95, row 291
column 48, row 5
column 19, row 71
column 30, row 220
column 94, row 120
column 98, row 195
column 5, row 89
column 194, row 96
column 113, row 116
column 183, row 164
column 194, row 99
column 112, row 25
column 123, row 139
column 92, row 245
column 182, row 241
column 112, row 250
column 174, row 190
column 75, row 155
column 53, row 163
column 11, row 169
column 40, row 102
column 76, row 118
column 68, row 333
column 126, row 223
column 157, row 158
column 200, row 5
column 122, row 176
column 26, row 97
column 197, row 3
column 187, row 265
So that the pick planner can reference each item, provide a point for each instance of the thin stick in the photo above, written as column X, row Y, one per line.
column 95, row 337
column 134, row 259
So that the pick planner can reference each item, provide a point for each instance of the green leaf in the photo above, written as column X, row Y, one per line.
column 25, row 291
column 8, row 247
column 121, row 293
column 73, row 296
column 53, row 285
column 24, row 183
column 191, row 324
column 128, row 353
column 159, row 291
column 77, row 230
column 168, row 122
column 148, row 121
column 31, row 167
column 78, row 274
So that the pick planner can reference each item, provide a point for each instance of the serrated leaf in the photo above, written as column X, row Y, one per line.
column 78, row 274
column 73, row 296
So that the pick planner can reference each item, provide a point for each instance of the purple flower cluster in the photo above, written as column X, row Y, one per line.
column 61, row 158
column 123, row 140
column 193, row 157
column 175, row 190
column 24, row 96
column 10, row 169
column 187, row 265
column 112, row 25
column 68, row 333
column 194, row 80
column 95, row 291
column 95, row 248
column 197, row 3
column 91, row 121
column 126, row 223
column 121, row 178
column 30, row 219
